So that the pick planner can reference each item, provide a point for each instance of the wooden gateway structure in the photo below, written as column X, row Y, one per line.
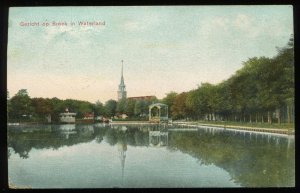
column 158, row 112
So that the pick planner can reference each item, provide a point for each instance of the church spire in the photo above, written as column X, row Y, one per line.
column 122, row 68
column 122, row 88
column 122, row 78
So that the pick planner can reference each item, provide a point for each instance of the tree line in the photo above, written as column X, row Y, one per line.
column 22, row 108
column 261, row 91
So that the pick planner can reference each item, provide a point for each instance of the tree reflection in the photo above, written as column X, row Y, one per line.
column 251, row 163
column 133, row 136
column 111, row 137
column 251, row 160
column 22, row 140
column 8, row 153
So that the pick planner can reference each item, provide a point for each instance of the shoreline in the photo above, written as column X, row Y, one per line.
column 288, row 131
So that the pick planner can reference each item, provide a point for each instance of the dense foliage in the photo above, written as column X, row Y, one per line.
column 22, row 108
column 263, row 90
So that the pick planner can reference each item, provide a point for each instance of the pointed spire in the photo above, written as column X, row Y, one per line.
column 122, row 69
column 122, row 78
column 122, row 88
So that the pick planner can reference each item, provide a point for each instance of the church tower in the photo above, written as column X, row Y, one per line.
column 122, row 94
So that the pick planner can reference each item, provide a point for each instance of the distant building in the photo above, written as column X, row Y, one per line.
column 123, row 116
column 67, row 117
column 141, row 98
column 99, row 118
column 88, row 116
column 122, row 94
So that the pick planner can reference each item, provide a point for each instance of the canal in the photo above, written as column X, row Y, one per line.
column 146, row 156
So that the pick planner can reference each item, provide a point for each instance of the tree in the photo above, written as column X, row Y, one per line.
column 84, row 107
column 225, row 106
column 285, row 60
column 21, row 107
column 129, row 110
column 138, row 107
column 179, row 109
column 169, row 100
column 245, row 86
column 110, row 108
column 22, row 92
column 42, row 107
column 121, row 106
column 194, row 103
column 58, row 107
column 98, row 108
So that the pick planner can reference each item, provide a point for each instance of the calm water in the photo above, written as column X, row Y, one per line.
column 103, row 156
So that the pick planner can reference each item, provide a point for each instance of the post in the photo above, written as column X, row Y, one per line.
column 278, row 116
column 167, row 112
column 256, row 118
column 288, row 114
column 158, row 113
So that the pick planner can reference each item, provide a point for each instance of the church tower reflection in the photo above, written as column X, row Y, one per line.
column 122, row 148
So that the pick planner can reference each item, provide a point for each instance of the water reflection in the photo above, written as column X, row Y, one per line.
column 122, row 148
column 67, row 130
column 158, row 138
column 251, row 159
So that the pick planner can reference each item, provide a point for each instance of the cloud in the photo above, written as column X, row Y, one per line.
column 134, row 26
column 160, row 45
column 240, row 25
column 221, row 22
column 247, row 25
column 143, row 22
column 73, row 32
column 242, row 21
column 253, row 27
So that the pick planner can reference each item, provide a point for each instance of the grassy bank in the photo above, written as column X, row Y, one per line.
column 256, row 127
column 253, row 124
column 131, row 119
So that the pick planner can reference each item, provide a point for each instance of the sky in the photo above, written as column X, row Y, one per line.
column 164, row 48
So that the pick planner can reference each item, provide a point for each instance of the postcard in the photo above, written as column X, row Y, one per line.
column 151, row 97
